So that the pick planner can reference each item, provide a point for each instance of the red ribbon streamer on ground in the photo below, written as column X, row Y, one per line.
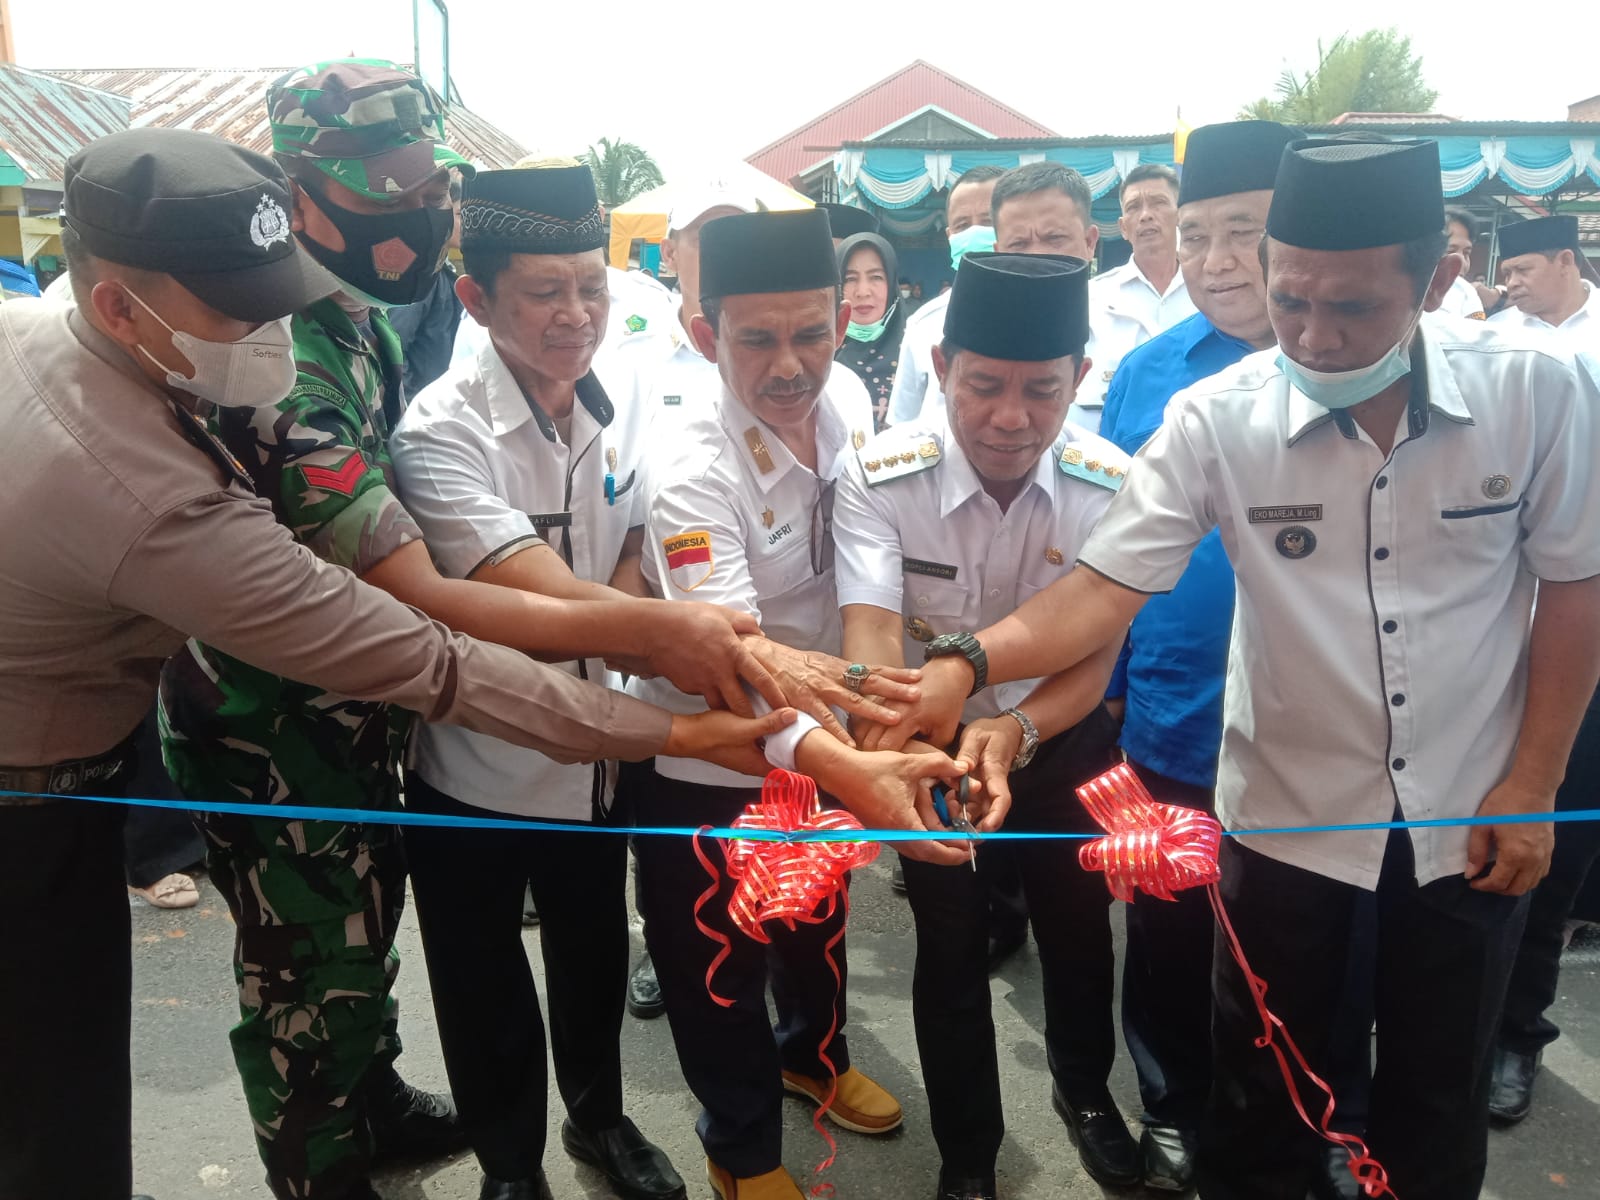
column 796, row 882
column 1162, row 849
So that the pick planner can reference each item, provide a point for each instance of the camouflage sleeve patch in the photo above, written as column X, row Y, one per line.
column 326, row 470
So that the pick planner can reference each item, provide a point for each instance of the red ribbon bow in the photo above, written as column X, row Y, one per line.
column 796, row 882
column 1161, row 849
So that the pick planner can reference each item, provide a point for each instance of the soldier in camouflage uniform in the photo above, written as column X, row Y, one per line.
column 317, row 903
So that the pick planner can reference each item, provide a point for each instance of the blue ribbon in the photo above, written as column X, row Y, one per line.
column 366, row 816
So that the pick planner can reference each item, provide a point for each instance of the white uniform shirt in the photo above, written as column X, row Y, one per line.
column 1125, row 311
column 485, row 476
column 1379, row 657
column 914, row 380
column 1462, row 301
column 933, row 546
column 729, row 522
column 1579, row 332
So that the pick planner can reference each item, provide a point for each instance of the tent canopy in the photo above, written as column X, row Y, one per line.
column 645, row 217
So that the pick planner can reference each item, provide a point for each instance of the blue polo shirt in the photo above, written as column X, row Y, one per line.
column 1176, row 658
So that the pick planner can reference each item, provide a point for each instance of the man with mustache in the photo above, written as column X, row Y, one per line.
column 740, row 513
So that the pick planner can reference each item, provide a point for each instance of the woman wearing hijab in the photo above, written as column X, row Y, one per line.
column 871, row 349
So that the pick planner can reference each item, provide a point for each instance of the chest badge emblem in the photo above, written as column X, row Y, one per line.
column 636, row 323
column 1054, row 557
column 767, row 518
column 919, row 630
column 1295, row 541
column 1497, row 487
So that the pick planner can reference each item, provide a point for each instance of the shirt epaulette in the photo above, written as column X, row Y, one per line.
column 896, row 456
column 1090, row 463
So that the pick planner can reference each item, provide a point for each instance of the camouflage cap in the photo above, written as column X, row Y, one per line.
column 364, row 122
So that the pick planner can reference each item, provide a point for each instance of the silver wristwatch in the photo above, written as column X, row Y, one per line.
column 1030, row 738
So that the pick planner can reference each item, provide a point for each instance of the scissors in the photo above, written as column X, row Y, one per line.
column 941, row 808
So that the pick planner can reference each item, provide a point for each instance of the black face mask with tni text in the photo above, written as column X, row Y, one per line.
column 390, row 257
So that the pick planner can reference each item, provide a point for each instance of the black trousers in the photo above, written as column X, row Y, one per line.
column 731, row 1057
column 1166, row 985
column 157, row 841
column 1443, row 953
column 65, row 1009
column 1070, row 910
column 468, row 887
column 1525, row 1028
column 1166, row 995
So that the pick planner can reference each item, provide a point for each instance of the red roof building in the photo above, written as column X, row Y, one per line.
column 918, row 101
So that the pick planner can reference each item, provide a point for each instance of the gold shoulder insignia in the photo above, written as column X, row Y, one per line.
column 883, row 463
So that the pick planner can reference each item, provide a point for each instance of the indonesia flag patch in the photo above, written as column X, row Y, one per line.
column 688, row 559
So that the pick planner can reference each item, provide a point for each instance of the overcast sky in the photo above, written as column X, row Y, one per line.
column 696, row 81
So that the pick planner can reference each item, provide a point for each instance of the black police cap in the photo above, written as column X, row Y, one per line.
column 212, row 215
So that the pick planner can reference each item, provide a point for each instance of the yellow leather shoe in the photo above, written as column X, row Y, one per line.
column 774, row 1185
column 861, row 1105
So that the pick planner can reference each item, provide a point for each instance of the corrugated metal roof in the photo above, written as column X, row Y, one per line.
column 1389, row 118
column 45, row 120
column 885, row 104
column 231, row 102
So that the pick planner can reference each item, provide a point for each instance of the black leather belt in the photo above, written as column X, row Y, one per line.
column 64, row 778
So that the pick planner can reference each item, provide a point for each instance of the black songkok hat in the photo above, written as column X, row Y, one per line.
column 1541, row 235
column 532, row 210
column 847, row 220
column 1237, row 156
column 755, row 253
column 1019, row 307
column 1339, row 194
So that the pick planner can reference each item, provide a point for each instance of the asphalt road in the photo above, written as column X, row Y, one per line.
column 192, row 1136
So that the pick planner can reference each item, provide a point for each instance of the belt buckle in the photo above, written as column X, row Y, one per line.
column 64, row 778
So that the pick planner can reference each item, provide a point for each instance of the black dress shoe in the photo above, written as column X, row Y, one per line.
column 515, row 1189
column 1333, row 1179
column 633, row 1166
column 644, row 991
column 410, row 1124
column 1002, row 946
column 1166, row 1158
column 1105, row 1147
column 1511, row 1085
column 964, row 1187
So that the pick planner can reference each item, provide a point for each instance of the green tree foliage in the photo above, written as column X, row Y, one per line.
column 1373, row 72
column 622, row 170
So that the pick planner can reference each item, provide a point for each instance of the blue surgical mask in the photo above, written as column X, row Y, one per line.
column 870, row 333
column 973, row 237
column 1346, row 389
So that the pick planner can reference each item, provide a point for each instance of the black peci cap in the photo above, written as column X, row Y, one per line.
column 755, row 253
column 1019, row 307
column 1540, row 235
column 532, row 210
column 1236, row 156
column 846, row 220
column 212, row 215
column 1349, row 194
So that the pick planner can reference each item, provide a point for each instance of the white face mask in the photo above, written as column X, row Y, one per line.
column 255, row 372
